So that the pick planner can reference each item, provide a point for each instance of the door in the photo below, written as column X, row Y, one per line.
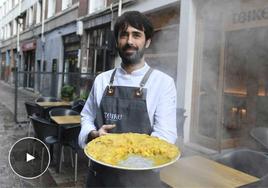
column 29, row 69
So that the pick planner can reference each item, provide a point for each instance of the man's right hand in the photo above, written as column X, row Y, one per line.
column 102, row 131
column 105, row 129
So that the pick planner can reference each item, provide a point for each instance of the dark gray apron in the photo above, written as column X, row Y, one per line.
column 126, row 107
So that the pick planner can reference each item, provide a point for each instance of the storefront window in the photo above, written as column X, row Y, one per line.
column 99, row 50
column 163, row 51
column 231, row 84
column 71, row 65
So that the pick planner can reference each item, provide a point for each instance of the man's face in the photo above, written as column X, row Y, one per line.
column 131, row 45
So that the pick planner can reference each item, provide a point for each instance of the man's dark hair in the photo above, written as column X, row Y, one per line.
column 136, row 20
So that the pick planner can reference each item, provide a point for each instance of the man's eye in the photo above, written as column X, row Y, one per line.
column 136, row 35
column 123, row 34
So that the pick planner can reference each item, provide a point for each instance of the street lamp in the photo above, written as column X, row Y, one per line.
column 19, row 23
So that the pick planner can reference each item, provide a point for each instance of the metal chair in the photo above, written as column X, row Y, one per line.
column 47, row 99
column 68, row 136
column 45, row 113
column 262, row 183
column 70, row 139
column 46, row 132
column 260, row 134
column 62, row 112
column 248, row 161
column 78, row 105
column 32, row 109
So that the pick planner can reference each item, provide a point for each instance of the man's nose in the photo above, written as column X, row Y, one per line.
column 130, row 40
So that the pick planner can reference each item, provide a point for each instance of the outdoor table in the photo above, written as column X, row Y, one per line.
column 53, row 104
column 66, row 120
column 197, row 171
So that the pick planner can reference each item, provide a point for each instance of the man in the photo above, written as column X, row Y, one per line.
column 131, row 98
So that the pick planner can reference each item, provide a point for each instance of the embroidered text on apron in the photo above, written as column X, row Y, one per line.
column 126, row 107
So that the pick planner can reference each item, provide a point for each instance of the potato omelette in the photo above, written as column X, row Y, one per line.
column 113, row 148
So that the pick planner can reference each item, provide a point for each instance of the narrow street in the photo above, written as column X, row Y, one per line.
column 10, row 132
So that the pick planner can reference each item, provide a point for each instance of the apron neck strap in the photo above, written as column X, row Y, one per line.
column 146, row 77
column 112, row 78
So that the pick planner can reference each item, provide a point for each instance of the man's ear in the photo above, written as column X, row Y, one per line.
column 148, row 42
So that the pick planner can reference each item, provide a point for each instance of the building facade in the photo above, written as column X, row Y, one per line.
column 32, row 41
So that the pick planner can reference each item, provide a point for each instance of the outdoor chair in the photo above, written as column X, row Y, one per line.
column 32, row 109
column 260, row 134
column 262, row 183
column 248, row 161
column 47, row 109
column 62, row 112
column 78, row 105
column 46, row 132
column 69, row 138
column 47, row 99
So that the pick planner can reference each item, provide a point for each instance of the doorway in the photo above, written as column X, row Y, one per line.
column 29, row 69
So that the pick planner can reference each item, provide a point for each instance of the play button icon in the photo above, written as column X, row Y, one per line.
column 29, row 158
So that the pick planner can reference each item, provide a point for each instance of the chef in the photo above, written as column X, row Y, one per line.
column 131, row 98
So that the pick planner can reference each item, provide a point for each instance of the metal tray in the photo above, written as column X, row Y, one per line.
column 134, row 162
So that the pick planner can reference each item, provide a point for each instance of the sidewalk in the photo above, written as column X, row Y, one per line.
column 10, row 132
column 7, row 98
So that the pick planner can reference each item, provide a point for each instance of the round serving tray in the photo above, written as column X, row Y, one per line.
column 134, row 162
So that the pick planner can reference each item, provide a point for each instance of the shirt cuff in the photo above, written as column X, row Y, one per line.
column 83, row 136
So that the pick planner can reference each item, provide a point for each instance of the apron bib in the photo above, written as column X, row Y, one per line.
column 126, row 107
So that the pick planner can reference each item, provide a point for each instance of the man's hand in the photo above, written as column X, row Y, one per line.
column 102, row 131
column 105, row 128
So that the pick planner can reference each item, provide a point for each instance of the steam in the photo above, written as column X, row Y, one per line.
column 232, row 61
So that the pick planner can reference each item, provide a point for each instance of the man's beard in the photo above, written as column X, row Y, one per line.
column 133, row 58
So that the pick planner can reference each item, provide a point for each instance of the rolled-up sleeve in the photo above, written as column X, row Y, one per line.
column 164, row 125
column 88, row 115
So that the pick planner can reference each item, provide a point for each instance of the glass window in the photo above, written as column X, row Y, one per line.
column 38, row 12
column 96, row 5
column 15, row 27
column 98, row 50
column 65, row 4
column 51, row 8
column 163, row 51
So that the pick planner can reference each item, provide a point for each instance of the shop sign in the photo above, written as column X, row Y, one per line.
column 28, row 46
column 250, row 16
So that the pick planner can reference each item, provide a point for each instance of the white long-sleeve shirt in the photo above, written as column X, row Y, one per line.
column 160, row 101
